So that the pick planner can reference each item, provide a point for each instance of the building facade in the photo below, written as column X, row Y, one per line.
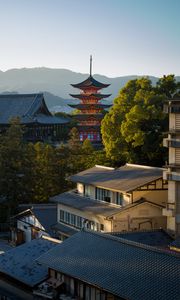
column 172, row 174
column 107, row 199
column 91, row 110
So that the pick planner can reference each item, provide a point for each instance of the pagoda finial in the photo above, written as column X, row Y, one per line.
column 90, row 65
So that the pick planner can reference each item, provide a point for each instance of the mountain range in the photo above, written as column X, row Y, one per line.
column 56, row 84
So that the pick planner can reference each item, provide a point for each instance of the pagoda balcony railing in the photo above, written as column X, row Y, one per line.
column 174, row 143
column 172, row 176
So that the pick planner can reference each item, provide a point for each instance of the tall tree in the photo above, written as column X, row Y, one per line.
column 132, row 130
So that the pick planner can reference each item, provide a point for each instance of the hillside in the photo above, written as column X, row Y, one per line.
column 56, row 82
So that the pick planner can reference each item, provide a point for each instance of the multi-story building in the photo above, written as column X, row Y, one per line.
column 172, row 174
column 106, row 199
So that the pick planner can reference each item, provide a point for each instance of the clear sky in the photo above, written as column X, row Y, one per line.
column 125, row 37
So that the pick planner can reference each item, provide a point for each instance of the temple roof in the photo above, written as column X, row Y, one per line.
column 90, row 82
column 90, row 106
column 29, row 108
column 84, row 96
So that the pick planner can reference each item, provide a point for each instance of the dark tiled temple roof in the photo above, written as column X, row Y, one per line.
column 124, row 179
column 86, row 204
column 64, row 229
column 123, row 268
column 156, row 237
column 90, row 82
column 20, row 262
column 90, row 106
column 29, row 108
column 84, row 96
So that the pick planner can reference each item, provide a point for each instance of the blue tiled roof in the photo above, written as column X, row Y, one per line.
column 123, row 268
column 176, row 243
column 26, row 107
column 156, row 237
column 20, row 262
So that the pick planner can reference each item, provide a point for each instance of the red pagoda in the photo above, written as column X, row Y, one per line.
column 91, row 109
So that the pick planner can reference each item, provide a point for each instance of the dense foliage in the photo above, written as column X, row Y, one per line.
column 32, row 173
column 133, row 129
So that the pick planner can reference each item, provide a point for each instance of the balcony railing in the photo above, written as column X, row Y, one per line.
column 174, row 143
column 169, row 210
column 173, row 176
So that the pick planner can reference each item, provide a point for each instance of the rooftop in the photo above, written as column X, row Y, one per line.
column 20, row 262
column 123, row 268
column 123, row 179
column 156, row 237
column 86, row 204
column 29, row 108
column 45, row 213
column 90, row 82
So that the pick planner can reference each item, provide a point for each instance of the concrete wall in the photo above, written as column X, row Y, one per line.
column 144, row 216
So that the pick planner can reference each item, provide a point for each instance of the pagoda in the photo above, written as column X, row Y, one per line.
column 90, row 108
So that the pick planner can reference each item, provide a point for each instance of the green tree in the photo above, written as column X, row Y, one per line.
column 132, row 130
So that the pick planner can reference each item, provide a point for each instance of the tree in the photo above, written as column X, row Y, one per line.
column 132, row 130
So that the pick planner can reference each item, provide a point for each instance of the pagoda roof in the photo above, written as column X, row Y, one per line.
column 88, row 116
column 88, row 127
column 88, row 106
column 90, row 82
column 84, row 96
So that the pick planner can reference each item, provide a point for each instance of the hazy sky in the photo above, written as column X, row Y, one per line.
column 125, row 37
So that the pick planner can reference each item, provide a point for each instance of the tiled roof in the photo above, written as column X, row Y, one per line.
column 26, row 107
column 65, row 229
column 123, row 268
column 89, row 106
column 20, row 262
column 45, row 213
column 90, row 82
column 86, row 204
column 84, row 96
column 176, row 243
column 124, row 179
column 156, row 237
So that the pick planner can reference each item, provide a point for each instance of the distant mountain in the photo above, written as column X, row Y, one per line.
column 56, row 82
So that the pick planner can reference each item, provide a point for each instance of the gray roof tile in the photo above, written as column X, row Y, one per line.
column 20, row 262
column 86, row 204
column 26, row 106
column 124, row 268
column 124, row 179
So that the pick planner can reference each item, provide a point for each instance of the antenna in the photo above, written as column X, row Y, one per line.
column 90, row 65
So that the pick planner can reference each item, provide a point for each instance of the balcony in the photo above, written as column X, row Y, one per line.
column 172, row 109
column 174, row 143
column 173, row 176
column 169, row 210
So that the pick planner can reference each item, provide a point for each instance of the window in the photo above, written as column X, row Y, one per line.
column 102, row 194
column 79, row 222
column 119, row 198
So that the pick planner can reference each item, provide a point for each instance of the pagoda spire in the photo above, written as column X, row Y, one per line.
column 90, row 65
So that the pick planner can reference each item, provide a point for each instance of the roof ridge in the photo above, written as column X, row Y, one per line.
column 132, row 243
